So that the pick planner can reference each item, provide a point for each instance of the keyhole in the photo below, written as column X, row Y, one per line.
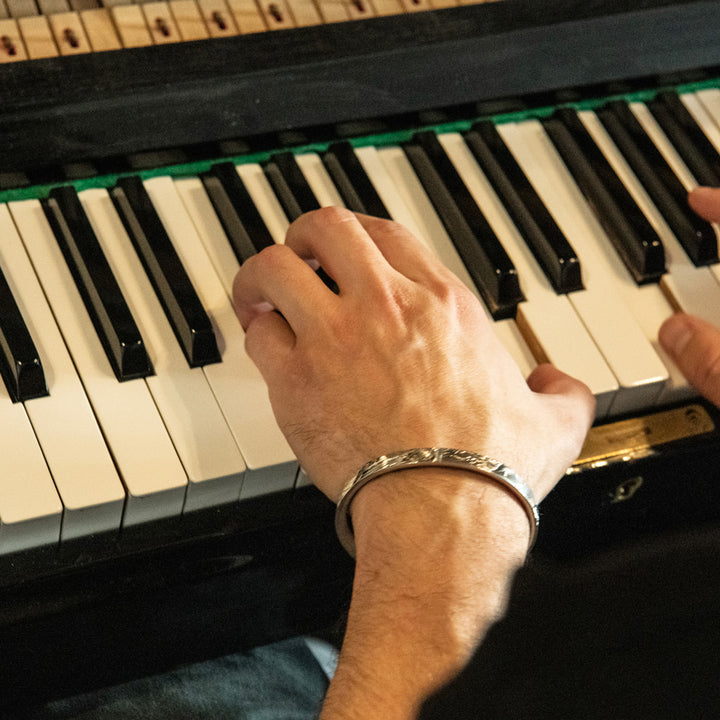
column 359, row 5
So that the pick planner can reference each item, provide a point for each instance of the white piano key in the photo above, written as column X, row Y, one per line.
column 648, row 305
column 208, row 227
column 30, row 509
column 710, row 100
column 688, row 288
column 265, row 200
column 608, row 316
column 196, row 425
column 218, row 248
column 548, row 317
column 151, row 472
column 430, row 230
column 236, row 382
column 71, row 441
column 387, row 190
column 318, row 179
column 702, row 117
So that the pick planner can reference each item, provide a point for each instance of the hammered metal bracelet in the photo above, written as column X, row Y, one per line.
column 432, row 457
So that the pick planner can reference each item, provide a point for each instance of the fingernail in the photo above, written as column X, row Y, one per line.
column 675, row 334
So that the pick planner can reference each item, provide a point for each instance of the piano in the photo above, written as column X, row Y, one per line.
column 150, row 512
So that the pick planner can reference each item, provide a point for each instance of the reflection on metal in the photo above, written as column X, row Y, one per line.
column 640, row 437
column 626, row 490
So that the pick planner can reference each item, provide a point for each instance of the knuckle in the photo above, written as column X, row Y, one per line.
column 330, row 215
column 270, row 255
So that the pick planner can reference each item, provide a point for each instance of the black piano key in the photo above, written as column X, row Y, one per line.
column 351, row 180
column 691, row 143
column 530, row 215
column 630, row 231
column 290, row 186
column 663, row 186
column 243, row 225
column 101, row 294
column 183, row 308
column 20, row 364
column 487, row 262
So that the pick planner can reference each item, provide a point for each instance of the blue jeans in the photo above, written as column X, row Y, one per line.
column 283, row 681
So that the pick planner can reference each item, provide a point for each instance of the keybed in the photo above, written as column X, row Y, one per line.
column 96, row 454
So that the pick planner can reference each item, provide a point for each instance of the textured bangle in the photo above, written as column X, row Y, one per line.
column 432, row 457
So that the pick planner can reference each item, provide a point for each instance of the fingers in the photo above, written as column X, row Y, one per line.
column 277, row 279
column 269, row 340
column 548, row 380
column 401, row 249
column 331, row 236
column 706, row 203
column 694, row 345
column 376, row 245
column 358, row 252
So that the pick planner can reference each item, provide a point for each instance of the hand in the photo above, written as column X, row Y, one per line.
column 694, row 344
column 402, row 356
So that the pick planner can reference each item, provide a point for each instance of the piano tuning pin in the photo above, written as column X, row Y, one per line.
column 219, row 20
column 8, row 45
column 162, row 26
column 70, row 38
column 275, row 12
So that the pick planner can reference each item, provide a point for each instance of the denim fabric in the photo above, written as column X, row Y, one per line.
column 283, row 681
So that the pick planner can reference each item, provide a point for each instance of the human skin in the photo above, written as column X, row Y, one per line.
column 692, row 343
column 404, row 356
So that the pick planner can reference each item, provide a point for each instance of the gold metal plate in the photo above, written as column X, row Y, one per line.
column 640, row 437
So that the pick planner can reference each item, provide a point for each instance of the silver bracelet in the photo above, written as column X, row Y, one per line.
column 432, row 457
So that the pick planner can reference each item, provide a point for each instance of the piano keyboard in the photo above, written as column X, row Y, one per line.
column 512, row 207
column 49, row 28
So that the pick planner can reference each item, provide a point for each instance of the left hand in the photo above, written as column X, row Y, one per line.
column 403, row 356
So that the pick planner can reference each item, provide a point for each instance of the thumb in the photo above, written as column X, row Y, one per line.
column 694, row 345
column 546, row 379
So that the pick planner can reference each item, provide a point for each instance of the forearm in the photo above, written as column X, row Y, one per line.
column 404, row 356
column 436, row 552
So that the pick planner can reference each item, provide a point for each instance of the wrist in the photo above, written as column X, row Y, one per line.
column 438, row 458
column 421, row 509
column 451, row 535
